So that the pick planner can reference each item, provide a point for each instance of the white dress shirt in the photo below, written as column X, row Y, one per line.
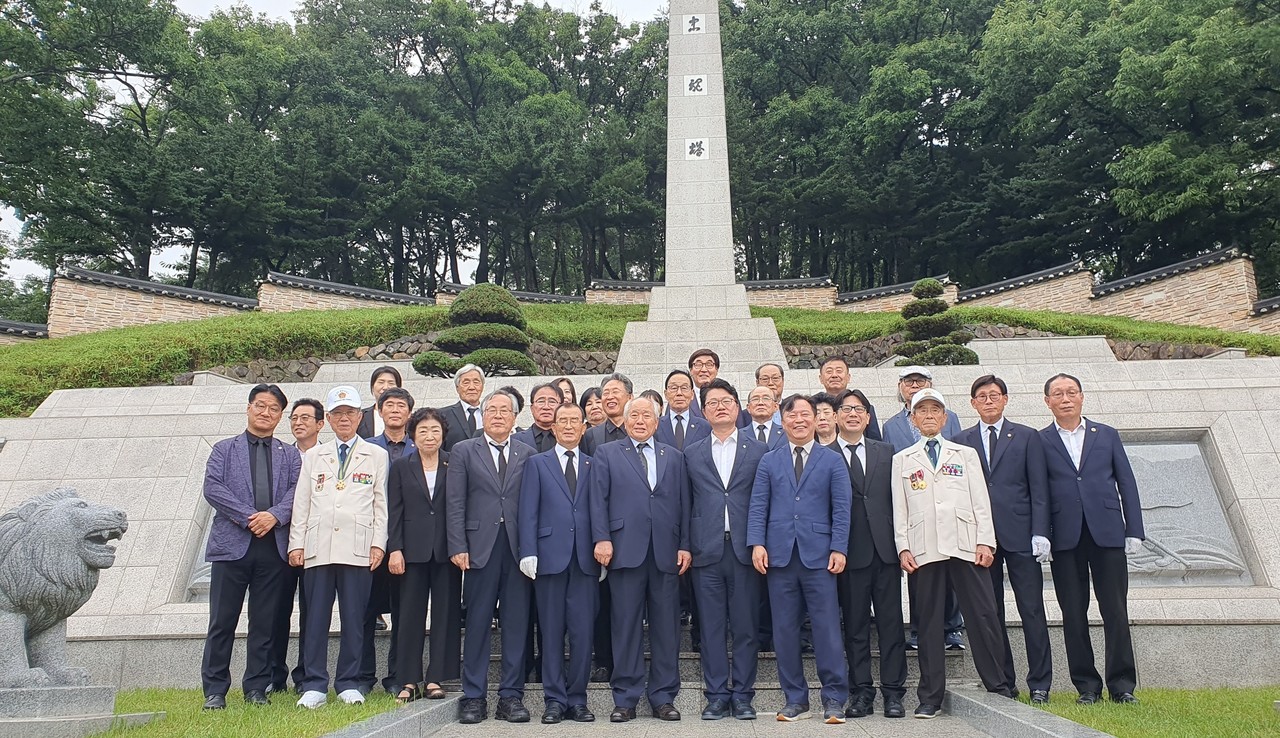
column 1073, row 440
column 493, row 452
column 651, row 460
column 723, row 454
column 986, row 435
column 564, row 463
column 860, row 451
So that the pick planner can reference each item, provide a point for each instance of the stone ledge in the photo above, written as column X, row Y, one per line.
column 48, row 702
column 420, row 718
column 1001, row 717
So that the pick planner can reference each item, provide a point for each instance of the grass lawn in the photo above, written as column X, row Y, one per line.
column 1176, row 713
column 282, row 719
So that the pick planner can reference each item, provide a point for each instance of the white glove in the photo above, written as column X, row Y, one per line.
column 529, row 566
column 604, row 572
column 1041, row 549
column 1132, row 546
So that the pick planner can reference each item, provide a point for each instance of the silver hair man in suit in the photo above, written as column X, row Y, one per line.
column 465, row 418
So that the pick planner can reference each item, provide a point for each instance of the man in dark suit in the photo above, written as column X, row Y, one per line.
column 1096, row 520
column 762, row 409
column 482, row 508
column 679, row 426
column 616, row 391
column 249, row 481
column 465, row 418
column 722, row 470
column 543, row 401
column 871, row 576
column 382, row 379
column 639, row 509
column 557, row 553
column 798, row 528
column 704, row 366
column 833, row 373
column 1014, row 466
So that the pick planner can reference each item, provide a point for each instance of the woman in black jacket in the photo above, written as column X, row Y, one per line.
column 419, row 555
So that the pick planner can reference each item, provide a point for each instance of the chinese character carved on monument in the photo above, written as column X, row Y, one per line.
column 693, row 24
column 697, row 149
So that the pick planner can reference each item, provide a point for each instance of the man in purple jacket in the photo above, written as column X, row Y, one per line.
column 249, row 481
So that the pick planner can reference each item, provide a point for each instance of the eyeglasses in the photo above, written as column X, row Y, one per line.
column 722, row 402
column 680, row 388
column 547, row 402
column 266, row 407
column 703, row 365
column 915, row 382
column 989, row 397
column 296, row 418
column 852, row 410
column 497, row 412
column 1069, row 394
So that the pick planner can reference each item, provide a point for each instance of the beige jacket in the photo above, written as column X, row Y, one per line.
column 334, row 526
column 943, row 513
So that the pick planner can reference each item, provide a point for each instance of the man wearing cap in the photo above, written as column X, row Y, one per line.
column 945, row 537
column 464, row 418
column 339, row 535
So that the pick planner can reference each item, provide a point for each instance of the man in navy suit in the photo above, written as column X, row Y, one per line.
column 722, row 470
column 482, row 510
column 1013, row 464
column 639, row 520
column 557, row 553
column 871, row 576
column 762, row 409
column 833, row 373
column 464, row 418
column 616, row 391
column 249, row 481
column 798, row 528
column 679, row 426
column 1096, row 519
column 704, row 366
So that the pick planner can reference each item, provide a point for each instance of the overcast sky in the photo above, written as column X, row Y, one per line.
column 627, row 10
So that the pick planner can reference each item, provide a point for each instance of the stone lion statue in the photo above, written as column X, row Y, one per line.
column 51, row 550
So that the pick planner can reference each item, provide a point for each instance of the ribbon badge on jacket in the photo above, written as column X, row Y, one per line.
column 917, row 480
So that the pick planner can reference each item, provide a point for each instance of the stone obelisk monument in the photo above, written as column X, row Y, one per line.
column 701, row 304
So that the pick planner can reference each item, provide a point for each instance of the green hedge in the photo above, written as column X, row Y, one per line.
column 486, row 303
column 464, row 338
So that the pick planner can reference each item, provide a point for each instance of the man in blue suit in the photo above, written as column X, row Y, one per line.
column 1013, row 464
column 679, row 426
column 762, row 409
column 1096, row 519
column 557, row 553
column 249, row 481
column 722, row 470
column 639, row 520
column 798, row 528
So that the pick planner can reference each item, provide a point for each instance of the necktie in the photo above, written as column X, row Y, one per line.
column 571, row 474
column 799, row 462
column 932, row 448
column 471, row 419
column 644, row 461
column 680, row 432
column 991, row 445
column 342, row 454
column 855, row 467
column 544, row 440
column 761, row 435
column 261, row 475
column 502, row 461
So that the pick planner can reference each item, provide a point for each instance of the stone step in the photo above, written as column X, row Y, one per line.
column 56, row 702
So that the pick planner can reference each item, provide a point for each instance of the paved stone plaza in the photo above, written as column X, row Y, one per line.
column 879, row 727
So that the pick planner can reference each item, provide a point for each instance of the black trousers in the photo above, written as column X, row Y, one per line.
column 1110, row 570
column 1027, row 579
column 280, row 673
column 953, row 621
column 350, row 584
column 877, row 585
column 438, row 583
column 972, row 587
column 262, row 574
column 728, row 595
column 498, row 583
column 602, row 639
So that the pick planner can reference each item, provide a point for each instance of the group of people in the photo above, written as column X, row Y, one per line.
column 789, row 518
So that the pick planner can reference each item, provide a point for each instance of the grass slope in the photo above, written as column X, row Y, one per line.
column 281, row 719
column 153, row 354
column 1172, row 713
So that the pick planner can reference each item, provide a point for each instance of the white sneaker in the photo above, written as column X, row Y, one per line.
column 311, row 699
column 351, row 696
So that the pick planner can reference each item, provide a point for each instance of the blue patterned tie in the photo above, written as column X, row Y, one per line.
column 931, row 446
column 342, row 454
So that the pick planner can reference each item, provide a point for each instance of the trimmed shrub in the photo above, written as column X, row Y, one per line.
column 436, row 364
column 926, row 288
column 502, row 362
column 465, row 338
column 960, row 337
column 945, row 355
column 911, row 348
column 930, row 306
column 931, row 326
column 486, row 303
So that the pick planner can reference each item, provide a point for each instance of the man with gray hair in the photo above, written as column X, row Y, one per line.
column 616, row 391
column 482, row 510
column 465, row 418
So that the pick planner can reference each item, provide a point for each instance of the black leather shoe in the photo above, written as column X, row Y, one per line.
column 666, row 711
column 928, row 712
column 512, row 710
column 1125, row 698
column 1088, row 698
column 554, row 713
column 601, row 674
column 858, row 707
column 894, row 709
column 472, row 710
column 256, row 697
column 1039, row 696
column 277, row 689
column 215, row 702
column 581, row 714
column 622, row 714
column 743, row 710
column 716, row 710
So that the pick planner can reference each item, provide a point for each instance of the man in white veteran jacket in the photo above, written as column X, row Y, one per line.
column 943, row 529
column 339, row 534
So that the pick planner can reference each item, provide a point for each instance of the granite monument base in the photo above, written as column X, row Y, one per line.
column 62, row 712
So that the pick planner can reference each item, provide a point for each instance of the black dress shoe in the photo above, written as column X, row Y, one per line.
column 277, row 689
column 1088, row 698
column 512, row 710
column 894, row 709
column 215, row 702
column 1125, row 698
column 472, row 710
column 256, row 697
column 581, row 714
column 1039, row 696
column 601, row 674
column 858, row 708
column 716, row 710
column 666, row 711
column 928, row 712
column 622, row 714
column 743, row 710
column 554, row 713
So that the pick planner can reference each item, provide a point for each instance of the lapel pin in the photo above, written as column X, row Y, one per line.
column 1093, row 430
